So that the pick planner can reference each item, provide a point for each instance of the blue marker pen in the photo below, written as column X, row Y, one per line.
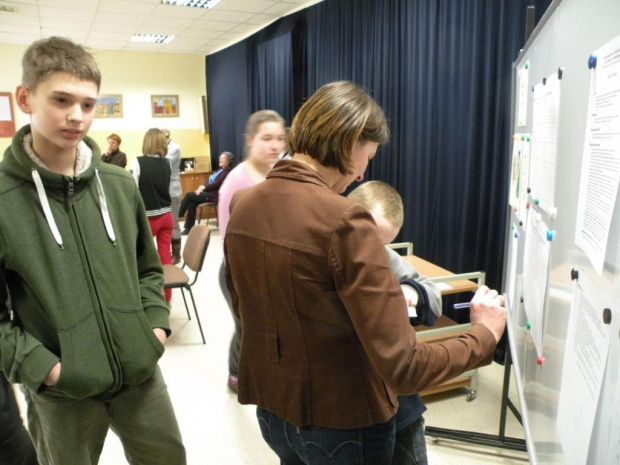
column 461, row 306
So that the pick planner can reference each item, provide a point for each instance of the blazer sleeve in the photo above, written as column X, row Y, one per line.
column 374, row 301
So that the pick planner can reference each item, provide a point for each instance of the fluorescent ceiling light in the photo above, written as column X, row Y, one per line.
column 152, row 38
column 192, row 3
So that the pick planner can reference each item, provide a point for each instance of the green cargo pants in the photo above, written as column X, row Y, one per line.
column 70, row 431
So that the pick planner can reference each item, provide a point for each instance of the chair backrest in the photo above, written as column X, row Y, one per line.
column 196, row 246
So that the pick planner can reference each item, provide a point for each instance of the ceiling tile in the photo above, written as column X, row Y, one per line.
column 19, row 20
column 174, row 46
column 22, row 9
column 160, row 30
column 10, row 37
column 213, row 25
column 245, row 28
column 144, row 47
column 105, row 17
column 230, row 16
column 175, row 22
column 75, row 36
column 201, row 33
column 252, row 6
column 169, row 11
column 126, row 7
column 112, row 28
column 65, row 24
column 262, row 19
column 64, row 13
column 231, row 35
column 19, row 29
column 118, row 37
column 280, row 9
column 218, row 43
column 29, row 2
column 188, row 42
column 71, row 4
column 105, row 44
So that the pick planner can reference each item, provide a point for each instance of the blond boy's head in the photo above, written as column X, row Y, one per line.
column 384, row 204
column 58, row 55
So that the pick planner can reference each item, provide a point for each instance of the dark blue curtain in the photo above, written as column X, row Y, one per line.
column 228, row 95
column 442, row 72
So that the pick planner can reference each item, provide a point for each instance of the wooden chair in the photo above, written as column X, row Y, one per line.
column 200, row 209
column 194, row 254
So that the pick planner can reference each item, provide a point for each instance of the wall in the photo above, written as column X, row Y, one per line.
column 135, row 75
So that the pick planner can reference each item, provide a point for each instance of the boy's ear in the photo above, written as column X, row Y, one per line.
column 22, row 96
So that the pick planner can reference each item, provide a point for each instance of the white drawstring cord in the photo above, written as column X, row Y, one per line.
column 107, row 221
column 46, row 208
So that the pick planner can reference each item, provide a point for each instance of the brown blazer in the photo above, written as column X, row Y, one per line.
column 326, row 337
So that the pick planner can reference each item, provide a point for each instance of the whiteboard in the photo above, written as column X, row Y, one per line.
column 568, row 34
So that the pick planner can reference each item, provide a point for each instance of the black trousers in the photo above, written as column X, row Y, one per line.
column 15, row 444
column 188, row 207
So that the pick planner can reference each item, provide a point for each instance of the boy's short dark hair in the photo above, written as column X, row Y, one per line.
column 381, row 197
column 55, row 55
column 332, row 120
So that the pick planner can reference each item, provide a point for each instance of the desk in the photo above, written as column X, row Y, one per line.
column 446, row 328
column 458, row 282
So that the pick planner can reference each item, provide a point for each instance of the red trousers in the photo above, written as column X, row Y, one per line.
column 161, row 227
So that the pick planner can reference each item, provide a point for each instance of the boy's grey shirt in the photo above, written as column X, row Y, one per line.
column 403, row 270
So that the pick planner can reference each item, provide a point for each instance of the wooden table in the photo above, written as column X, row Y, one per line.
column 457, row 282
column 446, row 328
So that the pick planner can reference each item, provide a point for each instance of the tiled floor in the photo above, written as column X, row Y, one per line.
column 217, row 430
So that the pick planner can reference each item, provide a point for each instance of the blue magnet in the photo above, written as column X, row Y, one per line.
column 550, row 234
column 592, row 62
column 516, row 235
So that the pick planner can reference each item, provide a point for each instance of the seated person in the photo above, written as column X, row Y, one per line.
column 424, row 301
column 114, row 156
column 207, row 193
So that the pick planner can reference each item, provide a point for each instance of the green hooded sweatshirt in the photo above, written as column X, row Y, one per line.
column 83, row 276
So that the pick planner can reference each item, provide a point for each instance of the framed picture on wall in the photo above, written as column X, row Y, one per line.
column 7, row 118
column 164, row 106
column 109, row 106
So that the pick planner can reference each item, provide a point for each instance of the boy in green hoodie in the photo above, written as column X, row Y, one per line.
column 88, row 321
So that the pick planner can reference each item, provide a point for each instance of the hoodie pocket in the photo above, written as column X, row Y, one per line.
column 137, row 347
column 85, row 368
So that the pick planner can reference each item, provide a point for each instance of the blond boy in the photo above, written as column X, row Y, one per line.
column 423, row 297
column 88, row 321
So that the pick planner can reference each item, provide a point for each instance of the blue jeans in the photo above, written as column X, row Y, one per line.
column 316, row 445
column 410, row 446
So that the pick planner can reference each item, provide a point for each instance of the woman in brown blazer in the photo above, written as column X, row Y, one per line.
column 327, row 344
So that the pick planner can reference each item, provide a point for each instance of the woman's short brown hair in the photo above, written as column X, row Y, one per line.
column 155, row 143
column 115, row 137
column 332, row 120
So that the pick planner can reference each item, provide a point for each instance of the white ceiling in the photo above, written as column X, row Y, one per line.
column 109, row 24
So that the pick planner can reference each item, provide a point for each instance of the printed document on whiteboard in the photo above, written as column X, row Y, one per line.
column 585, row 359
column 600, row 171
column 545, row 141
column 536, row 276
